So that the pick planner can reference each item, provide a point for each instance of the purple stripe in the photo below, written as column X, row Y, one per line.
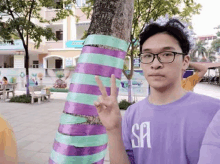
column 100, row 162
column 94, row 69
column 97, row 50
column 77, row 151
column 81, row 129
column 88, row 89
column 51, row 161
column 80, row 109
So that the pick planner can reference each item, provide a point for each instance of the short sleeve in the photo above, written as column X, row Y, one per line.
column 191, row 81
column 210, row 149
column 194, row 79
column 126, row 133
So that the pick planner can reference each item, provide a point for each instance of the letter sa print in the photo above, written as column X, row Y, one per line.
column 143, row 136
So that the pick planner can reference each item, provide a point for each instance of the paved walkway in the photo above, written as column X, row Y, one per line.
column 35, row 125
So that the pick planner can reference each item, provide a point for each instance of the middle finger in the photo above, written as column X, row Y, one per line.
column 101, row 87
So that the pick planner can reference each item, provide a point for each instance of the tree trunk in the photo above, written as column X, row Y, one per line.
column 81, row 138
column 27, row 69
column 129, row 90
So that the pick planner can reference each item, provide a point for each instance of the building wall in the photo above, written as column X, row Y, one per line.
column 32, row 57
column 80, row 28
column 50, row 14
column 1, row 61
column 66, row 53
column 83, row 17
column 51, row 63
column 54, row 44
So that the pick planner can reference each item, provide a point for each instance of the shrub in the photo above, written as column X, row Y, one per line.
column 59, row 74
column 23, row 99
column 124, row 104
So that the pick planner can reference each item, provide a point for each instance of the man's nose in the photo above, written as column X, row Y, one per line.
column 156, row 63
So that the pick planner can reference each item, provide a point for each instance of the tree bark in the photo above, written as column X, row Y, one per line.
column 27, row 69
column 112, row 18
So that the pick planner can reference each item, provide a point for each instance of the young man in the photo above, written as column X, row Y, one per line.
column 169, row 125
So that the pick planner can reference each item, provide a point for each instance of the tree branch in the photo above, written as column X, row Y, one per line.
column 125, row 73
column 17, row 27
column 29, row 19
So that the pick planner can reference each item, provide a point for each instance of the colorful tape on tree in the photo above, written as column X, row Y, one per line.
column 77, row 142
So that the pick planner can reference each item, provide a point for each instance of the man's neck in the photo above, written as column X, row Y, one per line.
column 170, row 95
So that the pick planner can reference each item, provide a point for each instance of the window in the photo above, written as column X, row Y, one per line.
column 59, row 35
column 80, row 3
column 59, row 5
column 35, row 64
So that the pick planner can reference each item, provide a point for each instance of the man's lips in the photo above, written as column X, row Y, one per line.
column 157, row 75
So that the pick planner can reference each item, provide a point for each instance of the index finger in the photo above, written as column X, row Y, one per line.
column 113, row 86
column 101, row 86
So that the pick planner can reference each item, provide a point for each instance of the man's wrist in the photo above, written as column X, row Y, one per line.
column 114, row 131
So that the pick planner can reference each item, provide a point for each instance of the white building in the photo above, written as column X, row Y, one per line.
column 51, row 55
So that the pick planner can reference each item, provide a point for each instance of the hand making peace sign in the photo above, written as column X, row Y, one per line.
column 107, row 106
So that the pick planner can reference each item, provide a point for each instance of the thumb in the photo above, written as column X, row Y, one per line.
column 99, row 106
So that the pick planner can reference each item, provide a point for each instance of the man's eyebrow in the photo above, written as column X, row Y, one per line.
column 164, row 48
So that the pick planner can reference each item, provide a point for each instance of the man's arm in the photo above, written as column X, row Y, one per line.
column 201, row 69
column 117, row 153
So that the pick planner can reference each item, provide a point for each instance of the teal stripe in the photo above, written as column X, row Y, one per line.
column 82, row 141
column 82, row 98
column 106, row 40
column 101, row 60
column 70, row 119
column 62, row 159
column 80, row 78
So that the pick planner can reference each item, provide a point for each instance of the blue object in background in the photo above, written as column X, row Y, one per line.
column 74, row 44
column 31, row 83
column 188, row 73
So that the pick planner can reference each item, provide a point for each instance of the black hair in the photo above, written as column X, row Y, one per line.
column 173, row 27
column 5, row 78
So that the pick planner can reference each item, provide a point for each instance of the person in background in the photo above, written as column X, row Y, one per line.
column 8, row 146
column 5, row 80
column 190, row 82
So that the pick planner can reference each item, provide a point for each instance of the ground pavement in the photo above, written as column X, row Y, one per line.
column 35, row 126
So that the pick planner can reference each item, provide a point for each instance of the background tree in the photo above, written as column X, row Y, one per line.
column 144, row 11
column 199, row 52
column 216, row 43
column 211, row 53
column 20, row 22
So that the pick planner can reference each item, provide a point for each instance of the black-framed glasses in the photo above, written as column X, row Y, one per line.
column 163, row 57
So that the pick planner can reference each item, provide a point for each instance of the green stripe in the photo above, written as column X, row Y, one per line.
column 106, row 40
column 62, row 159
column 101, row 60
column 70, row 119
column 82, row 141
column 82, row 98
column 80, row 78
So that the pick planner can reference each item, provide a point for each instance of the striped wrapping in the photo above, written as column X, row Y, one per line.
column 82, row 143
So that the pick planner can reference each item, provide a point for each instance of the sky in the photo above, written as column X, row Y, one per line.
column 208, row 18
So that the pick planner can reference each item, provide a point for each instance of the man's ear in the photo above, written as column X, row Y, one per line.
column 186, row 61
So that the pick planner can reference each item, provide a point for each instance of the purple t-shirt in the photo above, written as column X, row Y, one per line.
column 168, row 134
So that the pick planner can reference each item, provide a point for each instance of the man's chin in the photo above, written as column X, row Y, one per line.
column 160, row 87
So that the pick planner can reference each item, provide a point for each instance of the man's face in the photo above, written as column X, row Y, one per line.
column 171, row 73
